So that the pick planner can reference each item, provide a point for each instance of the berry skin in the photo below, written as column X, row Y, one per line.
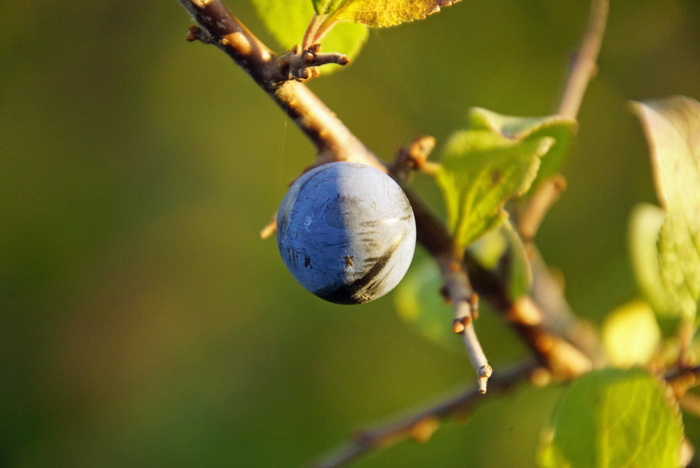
column 346, row 232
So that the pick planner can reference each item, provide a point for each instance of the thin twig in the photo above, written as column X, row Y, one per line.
column 421, row 424
column 457, row 289
column 582, row 70
column 681, row 379
column 331, row 137
column 538, row 206
column 585, row 64
column 219, row 27
column 554, row 337
column 564, row 345
column 310, row 35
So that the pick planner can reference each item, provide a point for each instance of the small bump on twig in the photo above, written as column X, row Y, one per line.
column 302, row 65
column 460, row 324
column 195, row 33
column 474, row 305
column 485, row 372
column 424, row 429
column 412, row 157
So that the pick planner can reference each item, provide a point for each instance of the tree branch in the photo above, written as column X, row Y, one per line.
column 421, row 425
column 333, row 140
column 560, row 342
column 543, row 320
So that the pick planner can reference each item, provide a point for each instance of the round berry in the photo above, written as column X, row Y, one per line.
column 346, row 232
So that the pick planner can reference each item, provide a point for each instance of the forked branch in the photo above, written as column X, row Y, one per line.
column 333, row 140
column 543, row 320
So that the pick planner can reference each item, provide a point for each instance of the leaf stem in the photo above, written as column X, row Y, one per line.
column 325, row 27
column 311, row 34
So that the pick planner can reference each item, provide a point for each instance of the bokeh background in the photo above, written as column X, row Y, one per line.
column 142, row 320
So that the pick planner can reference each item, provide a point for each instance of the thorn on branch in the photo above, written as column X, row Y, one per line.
column 301, row 65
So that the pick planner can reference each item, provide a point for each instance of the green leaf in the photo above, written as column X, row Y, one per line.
column 323, row 7
column 630, row 335
column 672, row 127
column 287, row 21
column 379, row 13
column 613, row 418
column 679, row 244
column 483, row 167
column 645, row 225
column 561, row 129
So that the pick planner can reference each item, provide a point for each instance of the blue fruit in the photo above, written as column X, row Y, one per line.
column 346, row 232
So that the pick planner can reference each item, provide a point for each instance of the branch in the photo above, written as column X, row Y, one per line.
column 421, row 425
column 458, row 291
column 333, row 140
column 218, row 26
column 544, row 197
column 585, row 62
column 544, row 319
column 330, row 136
column 583, row 68
column 411, row 157
column 546, row 325
column 560, row 342
column 302, row 64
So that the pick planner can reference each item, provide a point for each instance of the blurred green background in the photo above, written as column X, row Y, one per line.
column 142, row 320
